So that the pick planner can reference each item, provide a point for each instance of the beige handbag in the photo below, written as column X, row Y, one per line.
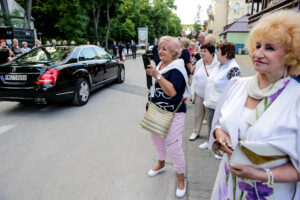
column 258, row 155
column 157, row 120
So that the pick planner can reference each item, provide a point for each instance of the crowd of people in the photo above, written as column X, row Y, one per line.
column 120, row 49
column 8, row 53
column 263, row 109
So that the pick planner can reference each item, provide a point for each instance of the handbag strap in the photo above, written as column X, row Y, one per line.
column 205, row 69
column 175, row 109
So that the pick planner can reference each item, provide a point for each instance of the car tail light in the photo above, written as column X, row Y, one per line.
column 49, row 77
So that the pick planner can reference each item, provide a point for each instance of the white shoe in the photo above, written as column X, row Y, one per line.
column 194, row 136
column 204, row 121
column 154, row 173
column 181, row 193
column 204, row 145
column 218, row 157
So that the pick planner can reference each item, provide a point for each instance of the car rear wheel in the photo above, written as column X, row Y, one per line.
column 121, row 74
column 82, row 92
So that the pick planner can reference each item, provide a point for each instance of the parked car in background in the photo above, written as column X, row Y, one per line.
column 58, row 73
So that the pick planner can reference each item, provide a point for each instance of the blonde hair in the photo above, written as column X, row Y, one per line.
column 282, row 27
column 15, row 40
column 210, row 39
column 185, row 42
column 173, row 44
column 24, row 43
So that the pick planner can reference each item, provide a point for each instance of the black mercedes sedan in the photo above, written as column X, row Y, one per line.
column 58, row 73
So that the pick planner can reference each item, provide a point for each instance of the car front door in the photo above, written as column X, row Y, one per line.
column 110, row 66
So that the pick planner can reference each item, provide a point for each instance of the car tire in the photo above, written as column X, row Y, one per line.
column 82, row 92
column 121, row 74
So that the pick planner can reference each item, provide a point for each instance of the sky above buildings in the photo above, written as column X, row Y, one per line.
column 187, row 10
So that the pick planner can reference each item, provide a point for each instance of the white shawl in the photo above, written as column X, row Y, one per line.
column 279, row 125
column 176, row 64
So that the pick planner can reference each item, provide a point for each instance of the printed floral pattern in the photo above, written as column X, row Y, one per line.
column 261, row 189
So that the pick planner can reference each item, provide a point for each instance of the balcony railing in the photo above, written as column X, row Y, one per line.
column 266, row 6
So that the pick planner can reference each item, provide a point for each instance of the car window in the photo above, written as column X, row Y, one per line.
column 46, row 54
column 87, row 54
column 101, row 54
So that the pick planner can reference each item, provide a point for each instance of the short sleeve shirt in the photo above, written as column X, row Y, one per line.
column 166, row 102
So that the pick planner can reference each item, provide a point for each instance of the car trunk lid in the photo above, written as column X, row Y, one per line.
column 14, row 75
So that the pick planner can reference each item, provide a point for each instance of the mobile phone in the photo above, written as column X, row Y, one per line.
column 146, row 61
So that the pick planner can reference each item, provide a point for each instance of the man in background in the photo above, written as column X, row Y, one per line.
column 133, row 50
column 114, row 47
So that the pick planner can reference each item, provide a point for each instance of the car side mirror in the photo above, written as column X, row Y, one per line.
column 73, row 60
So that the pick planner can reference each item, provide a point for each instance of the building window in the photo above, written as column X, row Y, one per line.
column 236, row 8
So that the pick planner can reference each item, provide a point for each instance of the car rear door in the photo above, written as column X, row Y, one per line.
column 87, row 58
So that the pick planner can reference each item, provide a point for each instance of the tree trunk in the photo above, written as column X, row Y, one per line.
column 5, row 12
column 27, row 14
column 96, row 20
column 108, row 5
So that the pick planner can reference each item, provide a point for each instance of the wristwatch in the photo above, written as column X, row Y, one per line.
column 157, row 77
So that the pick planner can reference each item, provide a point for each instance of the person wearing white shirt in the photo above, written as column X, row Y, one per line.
column 218, row 80
column 25, row 47
column 202, row 71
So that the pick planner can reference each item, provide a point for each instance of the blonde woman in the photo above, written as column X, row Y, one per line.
column 15, row 48
column 265, row 108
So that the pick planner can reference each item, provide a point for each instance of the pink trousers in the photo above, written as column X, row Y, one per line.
column 172, row 143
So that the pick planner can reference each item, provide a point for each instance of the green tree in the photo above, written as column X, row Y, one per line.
column 74, row 20
column 99, row 20
column 5, row 12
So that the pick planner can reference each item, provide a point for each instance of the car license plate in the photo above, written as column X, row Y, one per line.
column 16, row 77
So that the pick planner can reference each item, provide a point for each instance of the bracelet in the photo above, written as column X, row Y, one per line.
column 270, row 177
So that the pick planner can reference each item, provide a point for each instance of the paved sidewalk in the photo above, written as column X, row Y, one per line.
column 201, row 166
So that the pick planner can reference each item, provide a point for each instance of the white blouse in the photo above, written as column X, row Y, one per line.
column 200, row 75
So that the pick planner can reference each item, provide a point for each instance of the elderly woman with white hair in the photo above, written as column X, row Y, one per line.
column 25, row 47
column 170, row 87
column 262, row 111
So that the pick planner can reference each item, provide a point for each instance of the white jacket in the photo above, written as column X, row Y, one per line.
column 217, row 82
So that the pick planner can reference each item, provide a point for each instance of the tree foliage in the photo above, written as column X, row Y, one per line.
column 114, row 20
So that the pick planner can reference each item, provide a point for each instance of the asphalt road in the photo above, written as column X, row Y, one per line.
column 98, row 151
column 94, row 152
